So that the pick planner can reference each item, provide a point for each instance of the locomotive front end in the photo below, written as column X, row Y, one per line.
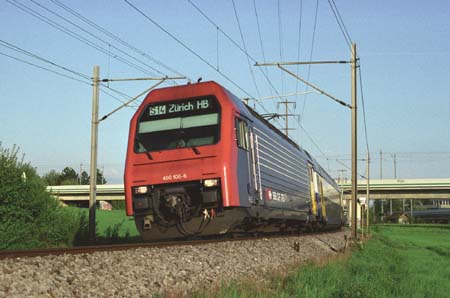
column 175, row 165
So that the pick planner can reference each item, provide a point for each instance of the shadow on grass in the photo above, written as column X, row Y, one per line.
column 112, row 235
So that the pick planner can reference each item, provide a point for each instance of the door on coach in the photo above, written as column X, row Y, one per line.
column 246, row 170
column 318, row 208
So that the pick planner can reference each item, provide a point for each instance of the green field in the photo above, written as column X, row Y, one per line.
column 398, row 261
column 113, row 226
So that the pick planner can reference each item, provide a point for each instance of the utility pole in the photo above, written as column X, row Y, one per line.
column 94, row 134
column 353, row 63
column 93, row 164
column 287, row 115
column 368, row 192
column 353, row 107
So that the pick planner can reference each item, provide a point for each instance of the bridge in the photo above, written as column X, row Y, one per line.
column 402, row 189
column 435, row 191
column 77, row 193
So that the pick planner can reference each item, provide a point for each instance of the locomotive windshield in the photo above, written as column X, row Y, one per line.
column 177, row 124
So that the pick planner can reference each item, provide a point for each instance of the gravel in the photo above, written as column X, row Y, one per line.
column 144, row 272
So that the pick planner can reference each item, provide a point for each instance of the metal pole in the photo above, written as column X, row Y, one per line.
column 362, row 221
column 143, row 79
column 368, row 192
column 301, row 63
column 390, row 207
column 286, row 118
column 314, row 86
column 94, row 142
column 131, row 100
column 354, row 142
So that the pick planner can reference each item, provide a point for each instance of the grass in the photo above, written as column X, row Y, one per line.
column 115, row 219
column 399, row 261
column 113, row 226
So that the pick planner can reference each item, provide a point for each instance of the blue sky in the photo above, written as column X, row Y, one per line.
column 404, row 48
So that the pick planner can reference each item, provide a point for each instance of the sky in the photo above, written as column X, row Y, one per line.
column 403, row 46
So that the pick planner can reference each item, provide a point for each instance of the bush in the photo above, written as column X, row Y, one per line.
column 29, row 216
column 118, row 205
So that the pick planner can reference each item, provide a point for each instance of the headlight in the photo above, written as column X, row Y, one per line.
column 210, row 182
column 139, row 190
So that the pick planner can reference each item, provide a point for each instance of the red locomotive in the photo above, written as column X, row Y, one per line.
column 200, row 161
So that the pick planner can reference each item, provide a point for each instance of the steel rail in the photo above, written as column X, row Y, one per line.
column 41, row 252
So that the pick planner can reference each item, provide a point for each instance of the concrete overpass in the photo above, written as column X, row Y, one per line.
column 74, row 193
column 409, row 191
column 402, row 189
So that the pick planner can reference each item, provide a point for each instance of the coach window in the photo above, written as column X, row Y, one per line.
column 242, row 134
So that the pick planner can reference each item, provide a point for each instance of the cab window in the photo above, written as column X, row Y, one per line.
column 181, row 123
column 242, row 134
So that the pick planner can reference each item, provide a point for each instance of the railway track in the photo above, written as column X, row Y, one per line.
column 175, row 267
column 26, row 253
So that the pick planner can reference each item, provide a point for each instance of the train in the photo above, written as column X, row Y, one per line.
column 200, row 162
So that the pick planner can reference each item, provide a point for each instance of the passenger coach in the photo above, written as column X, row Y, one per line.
column 200, row 161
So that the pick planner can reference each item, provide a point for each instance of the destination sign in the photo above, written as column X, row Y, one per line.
column 180, row 107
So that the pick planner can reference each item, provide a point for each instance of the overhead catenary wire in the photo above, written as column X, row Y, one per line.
column 63, row 75
column 96, row 37
column 310, row 59
column 349, row 168
column 27, row 53
column 116, row 38
column 75, row 35
column 191, row 50
column 299, row 41
column 280, row 40
column 132, row 106
column 364, row 110
column 43, row 68
column 261, row 44
column 265, row 74
column 340, row 22
column 312, row 140
column 400, row 154
column 184, row 45
column 245, row 49
column 65, row 68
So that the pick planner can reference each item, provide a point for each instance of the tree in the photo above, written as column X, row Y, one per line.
column 100, row 178
column 52, row 178
column 84, row 178
column 69, row 176
column 30, row 216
